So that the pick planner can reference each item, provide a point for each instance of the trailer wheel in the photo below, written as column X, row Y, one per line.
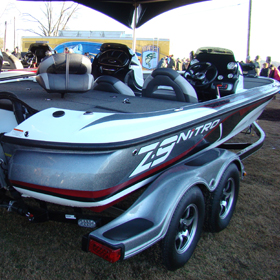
column 223, row 200
column 184, row 229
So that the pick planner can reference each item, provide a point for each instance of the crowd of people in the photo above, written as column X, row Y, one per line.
column 267, row 69
column 178, row 64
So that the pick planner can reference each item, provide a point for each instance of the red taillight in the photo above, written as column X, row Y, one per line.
column 108, row 254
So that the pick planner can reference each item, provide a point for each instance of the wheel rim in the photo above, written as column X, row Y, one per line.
column 186, row 229
column 227, row 198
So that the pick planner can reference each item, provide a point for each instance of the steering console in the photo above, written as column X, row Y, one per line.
column 114, row 58
column 201, row 74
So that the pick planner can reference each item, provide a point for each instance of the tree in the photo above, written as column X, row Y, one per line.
column 51, row 22
column 7, row 16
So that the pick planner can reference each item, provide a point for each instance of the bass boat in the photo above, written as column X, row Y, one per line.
column 114, row 134
column 119, row 143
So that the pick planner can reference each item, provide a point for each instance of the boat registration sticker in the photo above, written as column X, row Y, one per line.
column 18, row 132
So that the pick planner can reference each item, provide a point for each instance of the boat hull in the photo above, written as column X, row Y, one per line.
column 97, row 175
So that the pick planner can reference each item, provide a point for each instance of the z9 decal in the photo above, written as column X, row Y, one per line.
column 158, row 152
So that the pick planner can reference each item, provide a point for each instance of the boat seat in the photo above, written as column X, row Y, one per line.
column 10, row 102
column 116, row 60
column 130, row 80
column 166, row 83
column 112, row 84
column 65, row 73
column 11, row 62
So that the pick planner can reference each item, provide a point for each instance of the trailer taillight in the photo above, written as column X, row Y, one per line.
column 109, row 254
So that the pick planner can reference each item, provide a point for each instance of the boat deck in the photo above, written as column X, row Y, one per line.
column 99, row 101
column 35, row 96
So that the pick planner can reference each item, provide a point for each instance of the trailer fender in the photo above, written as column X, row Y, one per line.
column 147, row 220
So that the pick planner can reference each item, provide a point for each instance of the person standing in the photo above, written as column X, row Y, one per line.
column 265, row 70
column 248, row 68
column 16, row 53
column 274, row 73
column 165, row 64
column 171, row 63
column 161, row 63
column 257, row 65
column 186, row 63
column 178, row 65
column 268, row 60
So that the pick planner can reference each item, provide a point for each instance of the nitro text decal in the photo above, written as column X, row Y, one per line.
column 158, row 152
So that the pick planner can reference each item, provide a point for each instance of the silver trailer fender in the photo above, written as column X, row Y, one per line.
column 147, row 220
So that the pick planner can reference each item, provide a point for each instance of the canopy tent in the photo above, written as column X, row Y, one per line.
column 123, row 10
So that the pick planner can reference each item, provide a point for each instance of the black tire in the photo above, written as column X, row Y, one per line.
column 184, row 229
column 222, row 201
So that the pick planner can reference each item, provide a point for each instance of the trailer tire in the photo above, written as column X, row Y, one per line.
column 221, row 204
column 184, row 229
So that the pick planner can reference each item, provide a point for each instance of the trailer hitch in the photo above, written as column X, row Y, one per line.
column 42, row 214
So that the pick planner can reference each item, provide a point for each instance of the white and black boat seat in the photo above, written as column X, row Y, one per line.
column 11, row 62
column 166, row 83
column 115, row 60
column 65, row 73
column 9, row 102
column 112, row 84
column 130, row 80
